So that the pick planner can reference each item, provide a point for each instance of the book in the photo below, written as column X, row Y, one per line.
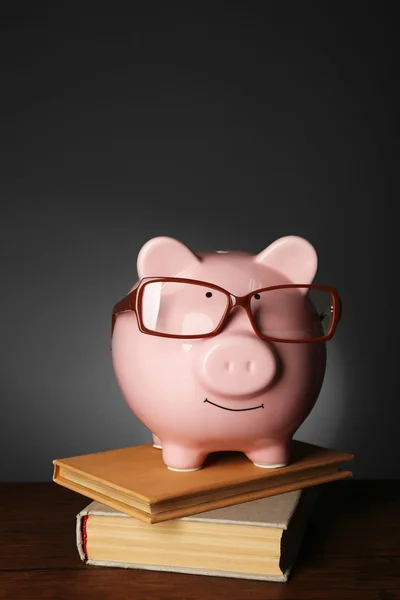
column 136, row 481
column 255, row 540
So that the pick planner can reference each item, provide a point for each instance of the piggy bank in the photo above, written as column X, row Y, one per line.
column 225, row 350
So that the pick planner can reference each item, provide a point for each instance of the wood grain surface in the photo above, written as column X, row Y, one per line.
column 351, row 551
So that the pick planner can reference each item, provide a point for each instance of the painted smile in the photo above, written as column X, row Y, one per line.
column 234, row 409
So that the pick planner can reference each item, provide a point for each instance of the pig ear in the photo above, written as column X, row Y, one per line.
column 164, row 257
column 293, row 257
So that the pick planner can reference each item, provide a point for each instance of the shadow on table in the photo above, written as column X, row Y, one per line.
column 346, row 510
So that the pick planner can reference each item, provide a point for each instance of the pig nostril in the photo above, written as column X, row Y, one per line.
column 228, row 366
column 250, row 366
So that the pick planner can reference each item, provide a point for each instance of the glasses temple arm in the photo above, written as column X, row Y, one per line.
column 127, row 303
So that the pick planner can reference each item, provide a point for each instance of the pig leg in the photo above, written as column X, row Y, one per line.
column 157, row 442
column 272, row 455
column 181, row 458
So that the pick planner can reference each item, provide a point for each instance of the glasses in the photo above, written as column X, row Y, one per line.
column 189, row 309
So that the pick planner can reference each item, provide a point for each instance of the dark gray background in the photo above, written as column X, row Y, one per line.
column 225, row 127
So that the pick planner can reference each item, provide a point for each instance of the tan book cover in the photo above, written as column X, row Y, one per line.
column 136, row 481
column 255, row 540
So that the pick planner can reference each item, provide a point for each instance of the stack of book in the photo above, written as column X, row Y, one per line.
column 229, row 519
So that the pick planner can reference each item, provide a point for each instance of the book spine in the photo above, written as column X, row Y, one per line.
column 81, row 535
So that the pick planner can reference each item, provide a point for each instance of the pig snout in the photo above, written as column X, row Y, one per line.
column 236, row 365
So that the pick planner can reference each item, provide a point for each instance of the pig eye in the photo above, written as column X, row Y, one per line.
column 209, row 294
column 257, row 296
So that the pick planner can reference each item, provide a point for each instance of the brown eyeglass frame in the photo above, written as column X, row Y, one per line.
column 133, row 302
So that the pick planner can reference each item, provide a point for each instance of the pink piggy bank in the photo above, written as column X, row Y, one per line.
column 223, row 350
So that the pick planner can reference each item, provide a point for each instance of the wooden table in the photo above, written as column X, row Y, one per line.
column 351, row 550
